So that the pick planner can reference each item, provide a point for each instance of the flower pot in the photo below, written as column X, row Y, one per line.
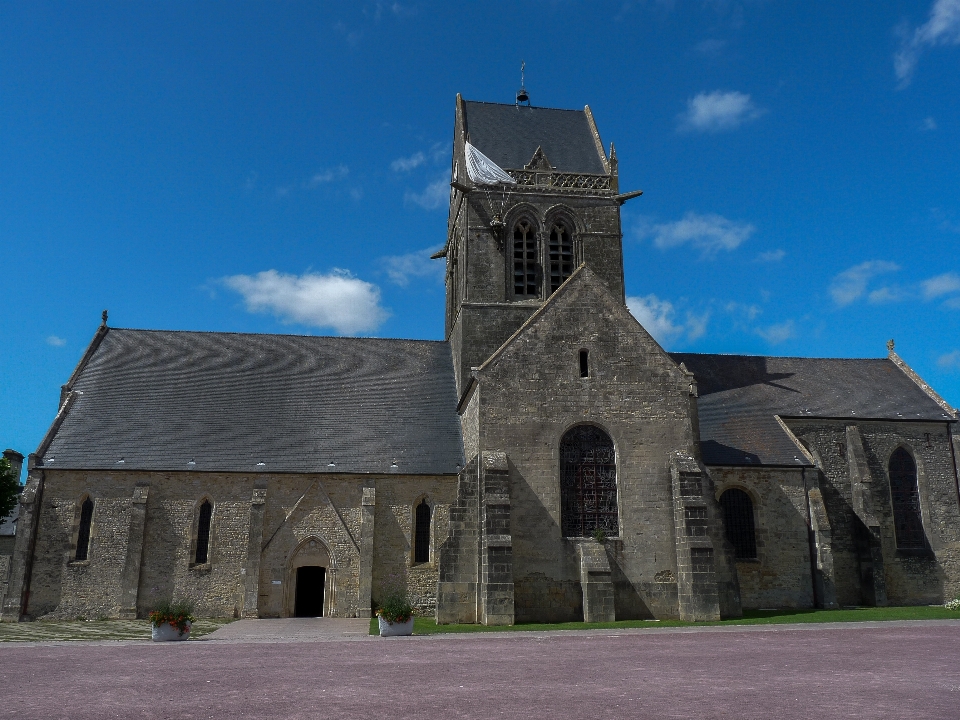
column 389, row 629
column 167, row 632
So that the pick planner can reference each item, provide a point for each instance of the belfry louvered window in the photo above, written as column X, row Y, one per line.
column 738, row 520
column 421, row 533
column 561, row 255
column 83, row 534
column 907, row 518
column 588, row 483
column 203, row 533
column 526, row 260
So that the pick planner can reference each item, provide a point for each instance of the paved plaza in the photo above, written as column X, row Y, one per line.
column 330, row 669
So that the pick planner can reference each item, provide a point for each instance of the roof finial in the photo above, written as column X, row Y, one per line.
column 104, row 317
column 522, row 95
column 890, row 346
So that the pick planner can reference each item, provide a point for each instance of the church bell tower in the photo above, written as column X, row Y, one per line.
column 533, row 196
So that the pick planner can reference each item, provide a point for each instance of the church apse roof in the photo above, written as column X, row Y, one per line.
column 740, row 395
column 510, row 134
column 157, row 400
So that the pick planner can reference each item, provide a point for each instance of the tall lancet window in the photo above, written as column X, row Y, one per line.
column 561, row 254
column 421, row 533
column 588, row 483
column 203, row 533
column 905, row 495
column 738, row 520
column 526, row 260
column 83, row 534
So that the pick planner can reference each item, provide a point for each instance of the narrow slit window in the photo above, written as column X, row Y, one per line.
column 584, row 363
column 421, row 534
column 83, row 536
column 203, row 533
column 526, row 257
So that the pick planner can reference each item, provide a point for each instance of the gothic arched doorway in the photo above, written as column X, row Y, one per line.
column 310, row 583
column 308, row 600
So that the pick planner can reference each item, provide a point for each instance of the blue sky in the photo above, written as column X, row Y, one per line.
column 283, row 167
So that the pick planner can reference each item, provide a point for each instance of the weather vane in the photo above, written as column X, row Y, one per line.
column 522, row 95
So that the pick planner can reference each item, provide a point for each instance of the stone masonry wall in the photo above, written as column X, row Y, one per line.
column 397, row 498
column 910, row 578
column 317, row 515
column 780, row 576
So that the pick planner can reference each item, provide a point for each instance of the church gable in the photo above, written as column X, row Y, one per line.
column 583, row 334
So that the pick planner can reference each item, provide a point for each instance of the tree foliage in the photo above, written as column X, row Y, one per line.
column 9, row 487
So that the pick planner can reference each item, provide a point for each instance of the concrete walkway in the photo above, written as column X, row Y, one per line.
column 292, row 630
column 887, row 671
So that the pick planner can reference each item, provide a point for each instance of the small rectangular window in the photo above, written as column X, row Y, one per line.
column 584, row 363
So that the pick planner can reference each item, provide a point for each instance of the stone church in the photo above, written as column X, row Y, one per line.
column 548, row 461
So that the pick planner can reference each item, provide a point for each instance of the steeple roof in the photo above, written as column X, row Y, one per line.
column 510, row 135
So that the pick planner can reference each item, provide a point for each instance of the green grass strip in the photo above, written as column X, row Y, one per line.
column 59, row 630
column 428, row 626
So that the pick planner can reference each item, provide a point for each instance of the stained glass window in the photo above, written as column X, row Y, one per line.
column 588, row 483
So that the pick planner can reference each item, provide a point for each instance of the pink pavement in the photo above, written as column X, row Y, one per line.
column 889, row 670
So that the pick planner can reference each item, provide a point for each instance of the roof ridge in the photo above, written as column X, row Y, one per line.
column 284, row 335
column 778, row 357
column 524, row 107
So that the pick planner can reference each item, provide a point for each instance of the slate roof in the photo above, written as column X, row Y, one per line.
column 509, row 135
column 740, row 394
column 227, row 401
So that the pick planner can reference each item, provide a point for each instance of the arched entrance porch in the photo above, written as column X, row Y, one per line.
column 311, row 581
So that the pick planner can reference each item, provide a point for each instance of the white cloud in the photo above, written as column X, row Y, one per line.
column 852, row 283
column 336, row 300
column 942, row 28
column 950, row 361
column 928, row 124
column 941, row 285
column 718, row 111
column 408, row 163
column 743, row 312
column 771, row 256
column 887, row 294
column 402, row 268
column 708, row 233
column 435, row 195
column 56, row 341
column 328, row 175
column 657, row 317
column 777, row 333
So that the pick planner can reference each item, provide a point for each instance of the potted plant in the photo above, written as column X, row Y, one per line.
column 172, row 621
column 395, row 612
